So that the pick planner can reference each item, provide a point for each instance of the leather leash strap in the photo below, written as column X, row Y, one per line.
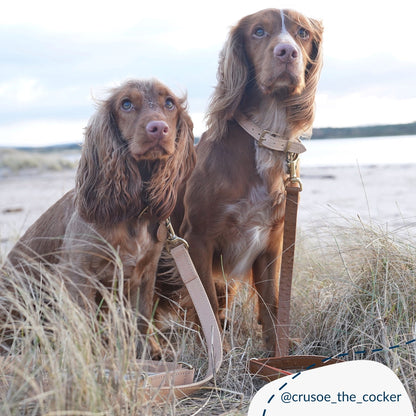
column 203, row 308
column 170, row 379
column 286, row 270
column 272, row 368
column 283, row 364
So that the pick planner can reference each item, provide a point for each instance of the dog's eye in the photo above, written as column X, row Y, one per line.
column 303, row 33
column 259, row 32
column 126, row 105
column 169, row 104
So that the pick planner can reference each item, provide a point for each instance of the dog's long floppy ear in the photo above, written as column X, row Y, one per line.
column 173, row 172
column 232, row 76
column 301, row 109
column 315, row 60
column 108, row 182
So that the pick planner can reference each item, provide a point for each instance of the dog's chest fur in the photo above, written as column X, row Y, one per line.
column 142, row 248
column 253, row 217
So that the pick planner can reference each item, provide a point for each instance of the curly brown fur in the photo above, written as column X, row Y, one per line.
column 138, row 150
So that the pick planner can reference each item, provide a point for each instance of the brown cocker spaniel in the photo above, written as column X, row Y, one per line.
column 138, row 149
column 233, row 208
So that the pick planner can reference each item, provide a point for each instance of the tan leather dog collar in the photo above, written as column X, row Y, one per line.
column 268, row 139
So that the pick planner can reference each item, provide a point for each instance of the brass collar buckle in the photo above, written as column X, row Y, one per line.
column 263, row 138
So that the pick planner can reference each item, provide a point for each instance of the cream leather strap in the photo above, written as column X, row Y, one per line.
column 168, row 379
column 268, row 139
column 202, row 305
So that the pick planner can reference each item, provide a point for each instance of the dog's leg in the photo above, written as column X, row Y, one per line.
column 266, row 269
column 81, row 288
column 141, row 298
column 265, row 276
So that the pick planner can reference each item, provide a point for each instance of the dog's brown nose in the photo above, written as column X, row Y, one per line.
column 157, row 130
column 285, row 52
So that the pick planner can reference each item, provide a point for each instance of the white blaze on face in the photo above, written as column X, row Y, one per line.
column 284, row 30
column 286, row 37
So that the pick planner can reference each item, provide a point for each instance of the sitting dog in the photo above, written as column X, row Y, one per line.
column 138, row 150
column 233, row 208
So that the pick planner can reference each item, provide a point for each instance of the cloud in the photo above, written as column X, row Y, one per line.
column 56, row 57
column 21, row 91
column 377, row 89
column 63, row 75
column 357, row 109
column 380, row 75
column 42, row 132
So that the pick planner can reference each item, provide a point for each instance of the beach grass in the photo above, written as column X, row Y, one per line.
column 15, row 160
column 354, row 291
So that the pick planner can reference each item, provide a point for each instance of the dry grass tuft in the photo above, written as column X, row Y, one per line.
column 354, row 290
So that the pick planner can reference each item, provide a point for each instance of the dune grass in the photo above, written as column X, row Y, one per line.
column 15, row 160
column 354, row 290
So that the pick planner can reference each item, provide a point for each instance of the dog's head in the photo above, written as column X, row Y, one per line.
column 138, row 149
column 281, row 47
column 276, row 53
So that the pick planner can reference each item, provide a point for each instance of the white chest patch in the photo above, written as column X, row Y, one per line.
column 252, row 221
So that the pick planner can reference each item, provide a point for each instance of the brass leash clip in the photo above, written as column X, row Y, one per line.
column 292, row 162
column 173, row 240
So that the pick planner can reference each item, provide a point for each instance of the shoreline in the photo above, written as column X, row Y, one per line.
column 380, row 194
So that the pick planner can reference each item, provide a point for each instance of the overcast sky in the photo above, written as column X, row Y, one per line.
column 56, row 56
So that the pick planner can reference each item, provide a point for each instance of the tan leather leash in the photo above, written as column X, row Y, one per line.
column 196, row 290
column 282, row 363
column 293, row 188
column 292, row 147
column 162, row 379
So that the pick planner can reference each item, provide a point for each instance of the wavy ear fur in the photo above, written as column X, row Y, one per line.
column 301, row 111
column 232, row 76
column 108, row 182
column 172, row 172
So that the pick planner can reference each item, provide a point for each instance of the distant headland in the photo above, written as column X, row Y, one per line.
column 364, row 131
column 318, row 133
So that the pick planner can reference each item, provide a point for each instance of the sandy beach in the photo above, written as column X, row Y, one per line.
column 382, row 194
